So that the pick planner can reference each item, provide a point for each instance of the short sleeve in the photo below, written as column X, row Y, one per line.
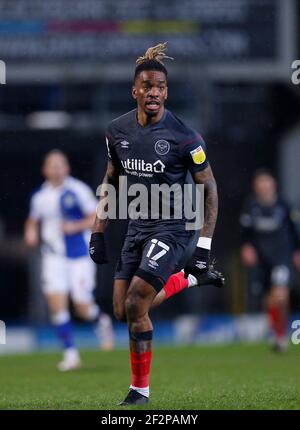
column 111, row 153
column 194, row 153
column 35, row 212
column 86, row 198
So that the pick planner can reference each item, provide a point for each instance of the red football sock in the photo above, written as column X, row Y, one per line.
column 278, row 320
column 175, row 284
column 273, row 316
column 140, row 368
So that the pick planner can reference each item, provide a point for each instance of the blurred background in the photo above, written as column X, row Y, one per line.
column 69, row 70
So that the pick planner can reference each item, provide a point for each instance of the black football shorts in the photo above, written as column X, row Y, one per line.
column 154, row 254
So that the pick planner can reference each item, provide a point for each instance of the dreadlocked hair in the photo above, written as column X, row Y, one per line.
column 152, row 60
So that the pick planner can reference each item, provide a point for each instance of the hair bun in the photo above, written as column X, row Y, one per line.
column 156, row 53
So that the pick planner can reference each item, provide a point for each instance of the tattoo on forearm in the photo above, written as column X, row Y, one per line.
column 111, row 177
column 206, row 178
column 210, row 208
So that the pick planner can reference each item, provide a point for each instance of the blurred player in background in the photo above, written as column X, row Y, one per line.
column 270, row 243
column 151, row 146
column 62, row 212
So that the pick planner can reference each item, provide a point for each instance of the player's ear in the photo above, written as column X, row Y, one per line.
column 166, row 95
column 133, row 92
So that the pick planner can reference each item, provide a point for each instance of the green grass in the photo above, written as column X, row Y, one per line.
column 206, row 377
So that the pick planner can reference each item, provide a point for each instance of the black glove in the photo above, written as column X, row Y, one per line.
column 97, row 248
column 211, row 277
column 198, row 263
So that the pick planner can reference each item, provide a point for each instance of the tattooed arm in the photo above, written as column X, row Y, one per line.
column 112, row 178
column 206, row 178
column 198, row 264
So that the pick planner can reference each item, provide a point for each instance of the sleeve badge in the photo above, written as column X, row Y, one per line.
column 198, row 155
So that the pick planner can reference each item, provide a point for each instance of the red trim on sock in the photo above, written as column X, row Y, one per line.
column 175, row 284
column 140, row 368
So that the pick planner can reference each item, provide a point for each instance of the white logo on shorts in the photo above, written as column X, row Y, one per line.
column 163, row 250
column 153, row 264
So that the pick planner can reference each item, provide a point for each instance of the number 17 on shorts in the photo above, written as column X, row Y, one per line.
column 156, row 251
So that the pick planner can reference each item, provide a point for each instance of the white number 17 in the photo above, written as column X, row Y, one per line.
column 163, row 251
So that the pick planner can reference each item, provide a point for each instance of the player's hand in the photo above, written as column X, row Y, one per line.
column 97, row 248
column 31, row 238
column 248, row 255
column 211, row 277
column 198, row 263
column 205, row 273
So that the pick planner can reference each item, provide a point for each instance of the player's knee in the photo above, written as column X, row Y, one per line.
column 60, row 317
column 137, row 302
column 135, row 306
column 281, row 300
column 131, row 305
column 119, row 308
column 279, row 297
column 81, row 313
column 119, row 313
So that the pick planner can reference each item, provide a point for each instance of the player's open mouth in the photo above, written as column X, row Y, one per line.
column 152, row 105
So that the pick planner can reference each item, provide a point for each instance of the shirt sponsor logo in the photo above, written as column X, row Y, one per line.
column 198, row 155
column 162, row 147
column 134, row 165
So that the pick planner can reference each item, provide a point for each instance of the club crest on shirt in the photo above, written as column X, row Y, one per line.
column 68, row 201
column 198, row 155
column 162, row 147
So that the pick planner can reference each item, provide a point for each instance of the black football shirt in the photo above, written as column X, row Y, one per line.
column 157, row 154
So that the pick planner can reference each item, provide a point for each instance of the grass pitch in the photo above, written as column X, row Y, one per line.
column 196, row 377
